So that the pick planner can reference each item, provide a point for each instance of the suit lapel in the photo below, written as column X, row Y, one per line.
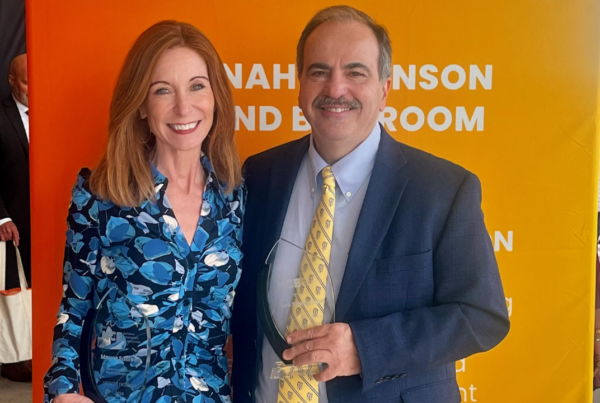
column 386, row 186
column 281, row 183
column 15, row 118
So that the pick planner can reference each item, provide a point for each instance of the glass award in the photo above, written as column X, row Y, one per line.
column 116, row 350
column 295, row 291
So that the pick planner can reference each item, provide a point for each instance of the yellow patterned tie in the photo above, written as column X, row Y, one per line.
column 309, row 296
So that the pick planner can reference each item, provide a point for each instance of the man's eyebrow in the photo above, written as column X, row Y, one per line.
column 321, row 66
column 357, row 65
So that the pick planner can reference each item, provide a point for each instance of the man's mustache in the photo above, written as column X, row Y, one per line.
column 340, row 102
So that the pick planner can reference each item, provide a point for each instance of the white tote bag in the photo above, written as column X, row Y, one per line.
column 15, row 315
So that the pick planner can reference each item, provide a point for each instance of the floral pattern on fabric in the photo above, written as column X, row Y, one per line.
column 139, row 261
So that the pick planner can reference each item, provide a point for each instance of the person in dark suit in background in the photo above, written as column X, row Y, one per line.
column 14, row 188
column 419, row 286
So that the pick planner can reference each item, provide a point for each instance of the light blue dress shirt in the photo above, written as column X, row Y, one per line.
column 352, row 174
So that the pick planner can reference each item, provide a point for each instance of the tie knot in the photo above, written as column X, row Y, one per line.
column 328, row 178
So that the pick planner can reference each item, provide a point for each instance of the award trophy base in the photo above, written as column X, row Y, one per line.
column 282, row 370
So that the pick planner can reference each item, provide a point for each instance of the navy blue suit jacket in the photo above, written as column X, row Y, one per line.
column 421, row 288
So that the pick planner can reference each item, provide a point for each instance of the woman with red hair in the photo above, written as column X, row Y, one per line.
column 154, row 233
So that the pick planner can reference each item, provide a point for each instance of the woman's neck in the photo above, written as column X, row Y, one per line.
column 183, row 169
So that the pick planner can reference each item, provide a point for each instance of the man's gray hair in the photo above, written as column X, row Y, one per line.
column 347, row 13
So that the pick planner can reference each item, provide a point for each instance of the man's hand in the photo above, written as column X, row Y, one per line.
column 71, row 398
column 8, row 232
column 331, row 344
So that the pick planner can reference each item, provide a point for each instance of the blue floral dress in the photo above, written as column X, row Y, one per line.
column 140, row 257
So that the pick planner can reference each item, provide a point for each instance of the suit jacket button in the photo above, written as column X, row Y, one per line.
column 402, row 375
column 379, row 380
column 249, row 393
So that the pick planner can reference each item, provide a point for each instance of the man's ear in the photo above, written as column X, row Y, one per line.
column 386, row 90
column 11, row 81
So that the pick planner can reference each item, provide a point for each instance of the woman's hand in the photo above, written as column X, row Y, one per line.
column 71, row 398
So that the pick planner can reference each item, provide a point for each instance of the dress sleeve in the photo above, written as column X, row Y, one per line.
column 81, row 251
column 237, row 207
column 242, row 196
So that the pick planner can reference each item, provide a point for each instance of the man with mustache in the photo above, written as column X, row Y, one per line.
column 418, row 282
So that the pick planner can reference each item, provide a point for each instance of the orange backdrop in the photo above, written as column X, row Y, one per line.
column 534, row 143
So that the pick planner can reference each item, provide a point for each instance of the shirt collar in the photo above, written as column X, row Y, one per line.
column 22, row 108
column 351, row 171
column 161, row 182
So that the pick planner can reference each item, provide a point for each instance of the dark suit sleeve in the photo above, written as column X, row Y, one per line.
column 469, row 309
column 3, row 212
